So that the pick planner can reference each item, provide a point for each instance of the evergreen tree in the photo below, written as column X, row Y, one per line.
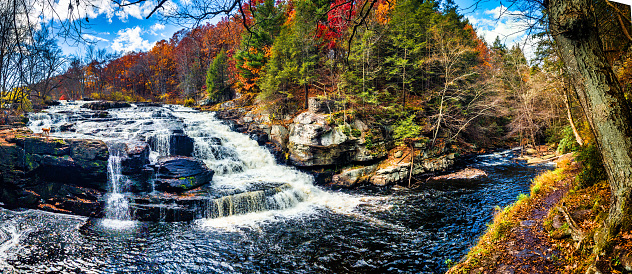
column 217, row 79
column 267, row 20
column 294, row 55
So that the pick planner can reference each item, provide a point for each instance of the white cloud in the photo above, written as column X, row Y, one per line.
column 157, row 27
column 71, row 9
column 94, row 38
column 509, row 26
column 129, row 39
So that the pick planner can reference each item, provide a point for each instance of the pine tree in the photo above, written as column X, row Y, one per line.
column 217, row 79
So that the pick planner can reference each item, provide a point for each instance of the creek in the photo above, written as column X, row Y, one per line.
column 255, row 216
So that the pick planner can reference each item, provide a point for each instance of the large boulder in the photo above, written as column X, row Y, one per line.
column 314, row 142
column 77, row 161
column 398, row 172
column 177, row 174
column 353, row 176
column 103, row 105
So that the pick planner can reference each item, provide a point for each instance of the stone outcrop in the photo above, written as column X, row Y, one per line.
column 353, row 176
column 177, row 174
column 318, row 142
column 395, row 173
column 104, row 105
column 60, row 175
column 314, row 141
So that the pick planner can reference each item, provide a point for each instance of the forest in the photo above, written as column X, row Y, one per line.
column 417, row 70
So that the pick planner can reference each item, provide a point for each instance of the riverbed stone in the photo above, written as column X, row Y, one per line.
column 177, row 174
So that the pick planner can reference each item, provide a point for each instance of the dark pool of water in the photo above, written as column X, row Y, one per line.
column 407, row 231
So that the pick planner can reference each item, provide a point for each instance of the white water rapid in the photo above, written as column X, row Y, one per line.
column 247, row 179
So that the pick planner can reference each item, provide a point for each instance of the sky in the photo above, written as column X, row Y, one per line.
column 126, row 29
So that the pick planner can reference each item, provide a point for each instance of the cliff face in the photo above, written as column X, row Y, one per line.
column 60, row 175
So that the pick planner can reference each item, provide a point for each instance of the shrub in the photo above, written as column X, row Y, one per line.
column 593, row 170
column 189, row 102
column 568, row 142
column 406, row 128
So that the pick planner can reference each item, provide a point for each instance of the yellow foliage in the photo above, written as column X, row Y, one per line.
column 19, row 99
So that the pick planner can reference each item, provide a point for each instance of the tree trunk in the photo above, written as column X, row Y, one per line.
column 306, row 96
column 573, row 25
column 569, row 114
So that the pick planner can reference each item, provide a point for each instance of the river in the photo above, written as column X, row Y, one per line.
column 304, row 229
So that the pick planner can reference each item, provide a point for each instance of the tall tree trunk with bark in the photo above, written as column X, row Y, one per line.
column 574, row 27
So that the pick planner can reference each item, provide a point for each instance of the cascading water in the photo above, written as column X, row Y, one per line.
column 117, row 206
column 247, row 178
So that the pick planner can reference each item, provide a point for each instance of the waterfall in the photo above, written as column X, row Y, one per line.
column 117, row 211
column 247, row 178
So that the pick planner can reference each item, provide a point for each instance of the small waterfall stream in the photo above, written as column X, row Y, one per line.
column 117, row 206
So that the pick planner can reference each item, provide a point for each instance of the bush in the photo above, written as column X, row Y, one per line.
column 406, row 128
column 593, row 170
column 568, row 142
column 189, row 102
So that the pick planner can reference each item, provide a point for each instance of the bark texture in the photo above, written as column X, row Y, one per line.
column 574, row 27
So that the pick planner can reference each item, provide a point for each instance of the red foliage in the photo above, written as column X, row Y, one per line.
column 338, row 18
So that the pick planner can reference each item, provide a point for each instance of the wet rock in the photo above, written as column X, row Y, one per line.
column 162, row 114
column 176, row 174
column 464, row 174
column 67, row 127
column 179, row 143
column 395, row 173
column 59, row 175
column 51, row 103
column 148, row 104
column 137, row 156
column 103, row 105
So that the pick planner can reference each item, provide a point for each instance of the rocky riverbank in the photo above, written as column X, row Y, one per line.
column 59, row 175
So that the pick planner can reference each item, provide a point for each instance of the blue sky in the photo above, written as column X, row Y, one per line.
column 124, row 30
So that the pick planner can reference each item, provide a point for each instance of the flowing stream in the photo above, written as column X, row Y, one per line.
column 242, row 226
